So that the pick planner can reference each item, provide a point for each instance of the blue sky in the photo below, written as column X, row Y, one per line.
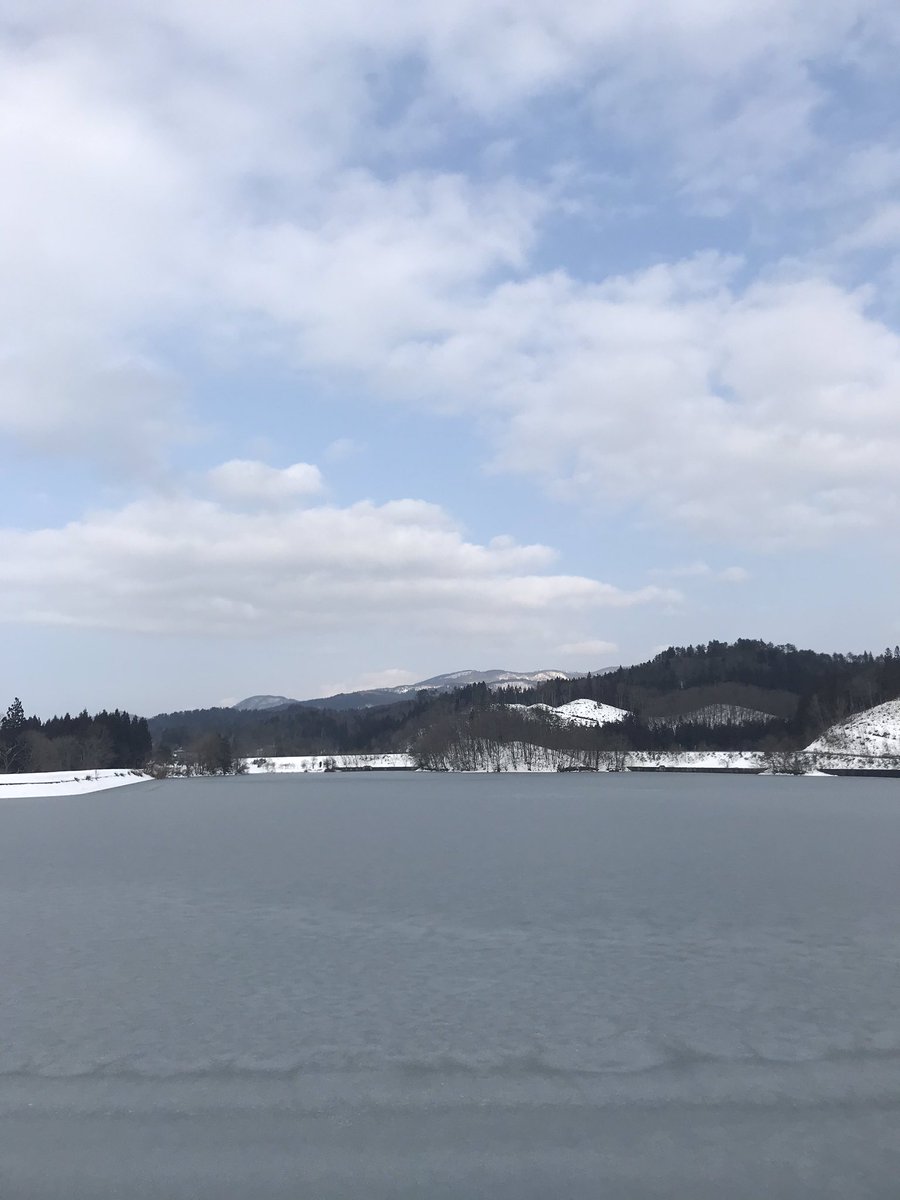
column 360, row 344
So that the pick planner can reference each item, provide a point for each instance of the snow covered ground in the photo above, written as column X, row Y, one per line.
column 875, row 732
column 576, row 712
column 306, row 763
column 33, row 784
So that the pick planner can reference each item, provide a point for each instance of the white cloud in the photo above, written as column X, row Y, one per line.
column 702, row 570
column 378, row 264
column 257, row 482
column 589, row 648
column 734, row 575
column 766, row 414
column 372, row 681
column 694, row 570
column 342, row 449
column 879, row 231
column 180, row 564
column 199, row 166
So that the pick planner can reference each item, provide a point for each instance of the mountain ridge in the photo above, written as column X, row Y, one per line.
column 448, row 682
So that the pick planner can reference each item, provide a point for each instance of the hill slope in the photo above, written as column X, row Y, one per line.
column 577, row 712
column 876, row 731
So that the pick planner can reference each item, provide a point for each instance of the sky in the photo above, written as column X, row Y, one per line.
column 346, row 344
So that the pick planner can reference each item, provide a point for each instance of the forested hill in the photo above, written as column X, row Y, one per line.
column 775, row 695
column 807, row 688
column 302, row 729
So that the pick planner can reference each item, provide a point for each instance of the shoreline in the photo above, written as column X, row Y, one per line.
column 510, row 760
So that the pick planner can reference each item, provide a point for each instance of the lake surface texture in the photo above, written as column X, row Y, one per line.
column 416, row 986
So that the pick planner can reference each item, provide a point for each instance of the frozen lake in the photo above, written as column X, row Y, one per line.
column 443, row 986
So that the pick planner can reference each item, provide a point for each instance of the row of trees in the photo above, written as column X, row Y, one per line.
column 209, row 754
column 297, row 729
column 83, row 742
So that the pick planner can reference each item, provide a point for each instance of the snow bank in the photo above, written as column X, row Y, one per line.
column 314, row 763
column 64, row 783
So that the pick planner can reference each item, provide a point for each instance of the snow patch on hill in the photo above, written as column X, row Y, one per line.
column 875, row 732
column 715, row 714
column 576, row 712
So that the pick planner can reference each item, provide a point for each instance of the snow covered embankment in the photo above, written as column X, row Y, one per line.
column 65, row 783
column 478, row 755
column 317, row 763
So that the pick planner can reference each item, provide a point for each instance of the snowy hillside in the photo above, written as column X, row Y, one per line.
column 715, row 714
column 873, row 732
column 576, row 712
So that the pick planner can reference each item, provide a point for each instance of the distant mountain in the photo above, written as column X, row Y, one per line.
column 260, row 703
column 494, row 679
column 437, row 683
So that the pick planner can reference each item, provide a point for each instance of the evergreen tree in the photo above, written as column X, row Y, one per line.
column 15, row 751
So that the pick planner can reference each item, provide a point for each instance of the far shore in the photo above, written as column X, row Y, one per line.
column 508, row 760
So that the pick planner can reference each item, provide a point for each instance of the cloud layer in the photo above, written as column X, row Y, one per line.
column 237, row 170
column 188, row 565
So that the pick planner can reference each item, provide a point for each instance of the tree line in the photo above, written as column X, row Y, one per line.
column 83, row 742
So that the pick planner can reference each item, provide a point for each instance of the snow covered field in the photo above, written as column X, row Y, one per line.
column 64, row 783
